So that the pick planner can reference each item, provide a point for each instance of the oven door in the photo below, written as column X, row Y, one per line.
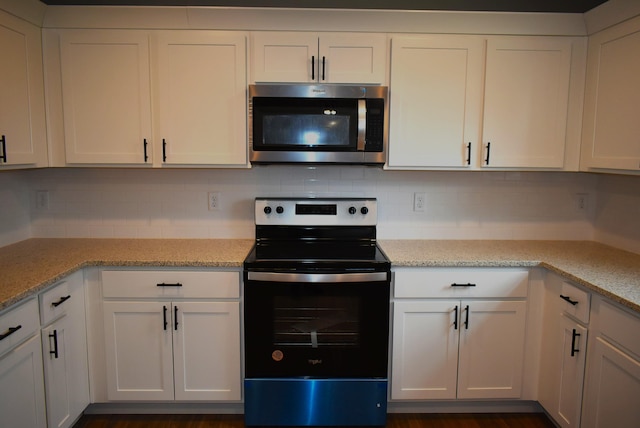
column 316, row 325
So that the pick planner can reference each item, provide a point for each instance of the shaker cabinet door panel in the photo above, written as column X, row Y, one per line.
column 139, row 351
column 22, row 120
column 425, row 350
column 611, row 132
column 207, row 351
column 435, row 101
column 201, row 103
column 525, row 102
column 106, row 96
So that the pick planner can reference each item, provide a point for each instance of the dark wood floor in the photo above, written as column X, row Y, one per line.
column 529, row 420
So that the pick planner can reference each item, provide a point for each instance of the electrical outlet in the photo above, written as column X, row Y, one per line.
column 214, row 201
column 418, row 201
column 42, row 200
column 582, row 201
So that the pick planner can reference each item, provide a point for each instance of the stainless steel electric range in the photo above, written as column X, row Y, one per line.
column 316, row 315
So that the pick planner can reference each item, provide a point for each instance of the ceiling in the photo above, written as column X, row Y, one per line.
column 560, row 6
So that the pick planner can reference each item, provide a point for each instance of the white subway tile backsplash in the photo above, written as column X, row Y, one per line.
column 168, row 203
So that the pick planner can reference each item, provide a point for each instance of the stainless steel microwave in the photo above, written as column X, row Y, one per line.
column 317, row 124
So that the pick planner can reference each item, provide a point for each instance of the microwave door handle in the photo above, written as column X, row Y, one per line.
column 362, row 124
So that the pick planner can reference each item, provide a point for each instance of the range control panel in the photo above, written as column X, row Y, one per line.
column 316, row 211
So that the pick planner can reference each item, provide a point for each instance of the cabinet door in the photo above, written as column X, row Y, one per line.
column 613, row 388
column 106, row 96
column 425, row 350
column 139, row 350
column 207, row 351
column 435, row 102
column 352, row 58
column 64, row 348
column 284, row 57
column 492, row 335
column 571, row 375
column 525, row 102
column 22, row 122
column 611, row 132
column 22, row 402
column 201, row 101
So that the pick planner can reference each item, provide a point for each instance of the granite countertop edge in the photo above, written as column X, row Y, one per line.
column 611, row 272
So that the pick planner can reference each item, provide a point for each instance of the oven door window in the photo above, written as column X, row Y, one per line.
column 305, row 123
column 302, row 329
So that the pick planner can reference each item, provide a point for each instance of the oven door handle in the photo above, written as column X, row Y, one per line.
column 317, row 277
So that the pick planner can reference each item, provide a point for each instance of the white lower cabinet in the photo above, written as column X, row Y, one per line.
column 172, row 349
column 612, row 384
column 564, row 351
column 64, row 351
column 22, row 401
column 469, row 348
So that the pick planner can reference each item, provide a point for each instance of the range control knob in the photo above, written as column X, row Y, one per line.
column 267, row 210
column 364, row 210
column 279, row 209
column 352, row 210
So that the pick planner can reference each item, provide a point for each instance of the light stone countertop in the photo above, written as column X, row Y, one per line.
column 29, row 266
column 606, row 270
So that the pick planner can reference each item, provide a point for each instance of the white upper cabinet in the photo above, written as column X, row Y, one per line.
column 158, row 98
column 441, row 118
column 201, row 98
column 436, row 100
column 611, row 131
column 22, row 118
column 106, row 96
column 525, row 102
column 300, row 57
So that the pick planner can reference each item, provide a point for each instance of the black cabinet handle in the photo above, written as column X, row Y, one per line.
column 466, row 319
column 61, row 301
column 164, row 317
column 174, row 284
column 573, row 342
column 175, row 318
column 455, row 320
column 313, row 67
column 486, row 160
column 146, row 156
column 323, row 61
column 54, row 335
column 468, row 284
column 3, row 156
column 568, row 299
column 469, row 153
column 9, row 332
column 164, row 150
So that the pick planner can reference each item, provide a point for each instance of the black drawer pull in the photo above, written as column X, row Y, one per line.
column 175, row 284
column 568, row 299
column 468, row 284
column 10, row 332
column 61, row 301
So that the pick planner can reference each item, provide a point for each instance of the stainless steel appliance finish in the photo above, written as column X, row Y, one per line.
column 316, row 315
column 316, row 124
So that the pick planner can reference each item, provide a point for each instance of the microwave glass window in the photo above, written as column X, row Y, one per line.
column 309, row 130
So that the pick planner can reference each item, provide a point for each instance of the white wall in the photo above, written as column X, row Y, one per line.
column 617, row 211
column 173, row 203
column 14, row 207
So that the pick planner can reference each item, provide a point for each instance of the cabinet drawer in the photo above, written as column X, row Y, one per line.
column 54, row 302
column 460, row 282
column 17, row 324
column 170, row 284
column 620, row 326
column 576, row 302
